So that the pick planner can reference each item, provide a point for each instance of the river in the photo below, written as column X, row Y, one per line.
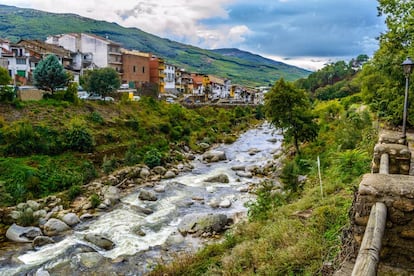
column 134, row 254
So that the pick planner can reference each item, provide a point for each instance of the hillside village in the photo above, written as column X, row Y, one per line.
column 140, row 72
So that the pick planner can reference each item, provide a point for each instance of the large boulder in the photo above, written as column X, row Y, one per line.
column 111, row 193
column 18, row 233
column 90, row 259
column 214, row 156
column 169, row 174
column 71, row 219
column 202, row 223
column 220, row 178
column 159, row 170
column 54, row 227
column 147, row 195
column 100, row 241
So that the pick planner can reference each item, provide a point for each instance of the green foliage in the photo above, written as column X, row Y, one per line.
column 95, row 200
column 152, row 158
column 74, row 191
column 50, row 74
column 102, row 81
column 289, row 176
column 133, row 155
column 109, row 164
column 266, row 201
column 4, row 76
column 289, row 108
column 96, row 117
column 7, row 93
column 78, row 138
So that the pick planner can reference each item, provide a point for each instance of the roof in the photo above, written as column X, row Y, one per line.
column 135, row 53
column 42, row 48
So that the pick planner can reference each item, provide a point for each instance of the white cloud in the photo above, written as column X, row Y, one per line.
column 309, row 63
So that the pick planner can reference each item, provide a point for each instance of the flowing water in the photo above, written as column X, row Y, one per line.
column 135, row 254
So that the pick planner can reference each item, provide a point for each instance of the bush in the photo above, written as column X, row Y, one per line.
column 79, row 138
column 152, row 158
column 95, row 200
column 74, row 191
column 109, row 165
column 96, row 118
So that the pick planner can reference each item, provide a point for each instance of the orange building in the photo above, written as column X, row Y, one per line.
column 135, row 68
column 157, row 75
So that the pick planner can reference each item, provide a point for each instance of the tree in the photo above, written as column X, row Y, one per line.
column 289, row 108
column 50, row 74
column 103, row 81
column 6, row 91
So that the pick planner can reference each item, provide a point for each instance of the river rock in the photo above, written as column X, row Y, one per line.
column 220, row 178
column 147, row 195
column 112, row 193
column 253, row 151
column 54, row 227
column 225, row 203
column 243, row 189
column 33, row 205
column 86, row 216
column 71, row 219
column 40, row 213
column 238, row 168
column 159, row 188
column 144, row 173
column 138, row 231
column 169, row 174
column 16, row 214
column 40, row 241
column 204, row 145
column 159, row 170
column 244, row 174
column 214, row 203
column 140, row 209
column 100, row 241
column 90, row 259
column 18, row 233
column 202, row 223
column 41, row 272
column 214, row 156
column 272, row 140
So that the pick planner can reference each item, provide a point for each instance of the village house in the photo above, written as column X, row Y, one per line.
column 16, row 59
column 183, row 81
column 157, row 75
column 135, row 68
column 100, row 52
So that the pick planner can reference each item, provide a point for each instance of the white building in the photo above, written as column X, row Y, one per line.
column 102, row 51
column 169, row 79
column 18, row 63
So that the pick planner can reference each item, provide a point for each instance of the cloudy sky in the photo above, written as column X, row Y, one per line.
column 306, row 33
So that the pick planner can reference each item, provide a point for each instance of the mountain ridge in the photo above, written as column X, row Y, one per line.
column 243, row 68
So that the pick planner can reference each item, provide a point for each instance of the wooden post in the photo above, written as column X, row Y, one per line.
column 368, row 256
column 384, row 164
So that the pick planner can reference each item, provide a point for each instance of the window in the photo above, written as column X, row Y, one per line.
column 143, row 69
column 134, row 69
column 20, row 60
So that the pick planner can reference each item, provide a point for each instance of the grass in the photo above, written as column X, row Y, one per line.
column 296, row 232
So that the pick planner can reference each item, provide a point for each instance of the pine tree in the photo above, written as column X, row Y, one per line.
column 50, row 74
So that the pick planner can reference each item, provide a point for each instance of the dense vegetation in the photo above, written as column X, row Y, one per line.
column 53, row 145
column 18, row 23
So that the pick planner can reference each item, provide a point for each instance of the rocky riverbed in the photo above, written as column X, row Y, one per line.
column 140, row 214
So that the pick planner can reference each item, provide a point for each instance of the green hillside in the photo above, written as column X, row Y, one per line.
column 247, row 69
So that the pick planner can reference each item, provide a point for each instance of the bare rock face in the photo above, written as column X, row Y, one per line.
column 54, row 227
column 18, row 233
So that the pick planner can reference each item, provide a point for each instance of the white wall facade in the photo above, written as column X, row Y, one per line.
column 169, row 79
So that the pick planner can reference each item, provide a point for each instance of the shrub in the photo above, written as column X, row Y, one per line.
column 108, row 165
column 96, row 117
column 152, row 158
column 132, row 156
column 79, row 138
column 95, row 200
column 74, row 191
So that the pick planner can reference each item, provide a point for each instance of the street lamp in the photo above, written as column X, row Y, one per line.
column 407, row 66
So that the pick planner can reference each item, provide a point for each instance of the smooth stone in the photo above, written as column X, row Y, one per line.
column 211, row 189
column 225, row 203
column 54, row 227
column 147, row 195
column 144, row 173
column 18, row 233
column 42, row 272
column 220, row 178
column 41, row 241
column 169, row 174
column 202, row 222
column 159, row 189
column 33, row 205
column 90, row 259
column 71, row 219
column 100, row 241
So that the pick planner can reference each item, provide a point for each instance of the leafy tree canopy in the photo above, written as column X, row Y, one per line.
column 288, row 108
column 102, row 81
column 50, row 74
column 4, row 76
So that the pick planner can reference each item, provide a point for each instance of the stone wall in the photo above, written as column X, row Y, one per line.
column 397, row 193
column 399, row 158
